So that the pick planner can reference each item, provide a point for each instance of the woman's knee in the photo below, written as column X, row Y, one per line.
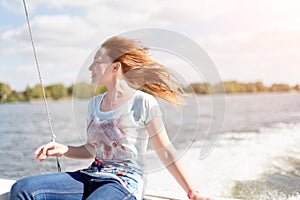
column 21, row 189
column 28, row 186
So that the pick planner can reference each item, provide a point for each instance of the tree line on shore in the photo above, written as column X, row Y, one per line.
column 85, row 90
column 53, row 91
column 230, row 87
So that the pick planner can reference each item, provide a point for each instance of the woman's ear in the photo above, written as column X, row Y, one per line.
column 117, row 66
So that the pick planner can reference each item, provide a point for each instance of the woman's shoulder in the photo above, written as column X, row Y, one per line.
column 95, row 99
column 141, row 95
column 148, row 105
column 145, row 99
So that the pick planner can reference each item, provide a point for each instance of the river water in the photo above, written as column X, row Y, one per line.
column 255, row 156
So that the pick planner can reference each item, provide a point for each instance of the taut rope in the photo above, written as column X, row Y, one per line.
column 41, row 82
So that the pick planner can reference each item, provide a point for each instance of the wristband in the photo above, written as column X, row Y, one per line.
column 190, row 192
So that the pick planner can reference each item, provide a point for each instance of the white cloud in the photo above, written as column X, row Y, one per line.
column 271, row 56
column 14, row 6
column 245, row 40
column 193, row 10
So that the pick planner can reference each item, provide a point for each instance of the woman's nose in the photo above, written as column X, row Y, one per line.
column 91, row 67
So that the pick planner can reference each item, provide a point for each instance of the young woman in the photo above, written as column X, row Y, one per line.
column 120, row 122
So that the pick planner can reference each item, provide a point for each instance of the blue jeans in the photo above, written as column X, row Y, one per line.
column 68, row 186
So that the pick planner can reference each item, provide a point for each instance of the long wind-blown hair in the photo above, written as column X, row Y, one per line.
column 141, row 71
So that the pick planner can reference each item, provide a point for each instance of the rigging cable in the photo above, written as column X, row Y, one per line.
column 41, row 82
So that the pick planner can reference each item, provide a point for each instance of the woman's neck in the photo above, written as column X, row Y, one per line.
column 117, row 95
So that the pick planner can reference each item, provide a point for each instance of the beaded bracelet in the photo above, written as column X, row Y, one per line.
column 190, row 192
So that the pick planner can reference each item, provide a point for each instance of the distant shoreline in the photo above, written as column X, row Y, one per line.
column 85, row 90
column 230, row 87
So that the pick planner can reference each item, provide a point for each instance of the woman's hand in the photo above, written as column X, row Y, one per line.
column 196, row 196
column 50, row 149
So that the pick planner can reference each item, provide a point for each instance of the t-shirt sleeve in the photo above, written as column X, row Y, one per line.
column 92, row 106
column 90, row 109
column 152, row 109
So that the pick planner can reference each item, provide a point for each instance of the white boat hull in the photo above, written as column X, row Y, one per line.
column 5, row 188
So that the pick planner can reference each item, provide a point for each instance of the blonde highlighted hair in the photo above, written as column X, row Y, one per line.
column 141, row 71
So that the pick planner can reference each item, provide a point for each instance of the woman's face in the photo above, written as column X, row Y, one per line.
column 99, row 67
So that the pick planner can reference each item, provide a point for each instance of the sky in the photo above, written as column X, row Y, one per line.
column 247, row 41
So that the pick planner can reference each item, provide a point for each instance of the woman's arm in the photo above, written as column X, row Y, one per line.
column 86, row 151
column 166, row 153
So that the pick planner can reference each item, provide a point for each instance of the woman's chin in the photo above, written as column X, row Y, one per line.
column 94, row 82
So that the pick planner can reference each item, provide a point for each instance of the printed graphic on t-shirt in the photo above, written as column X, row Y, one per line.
column 110, row 139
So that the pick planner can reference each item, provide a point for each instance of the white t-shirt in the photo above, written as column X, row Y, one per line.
column 120, row 138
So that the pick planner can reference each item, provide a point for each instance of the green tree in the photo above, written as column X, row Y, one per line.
column 261, row 87
column 250, row 88
column 219, row 88
column 234, row 87
column 16, row 96
column 5, row 92
column 280, row 88
column 82, row 90
column 201, row 88
column 296, row 87
column 27, row 93
column 70, row 90
column 56, row 91
column 36, row 92
column 9, row 95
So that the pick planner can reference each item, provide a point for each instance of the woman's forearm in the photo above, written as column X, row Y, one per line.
column 175, row 167
column 86, row 151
